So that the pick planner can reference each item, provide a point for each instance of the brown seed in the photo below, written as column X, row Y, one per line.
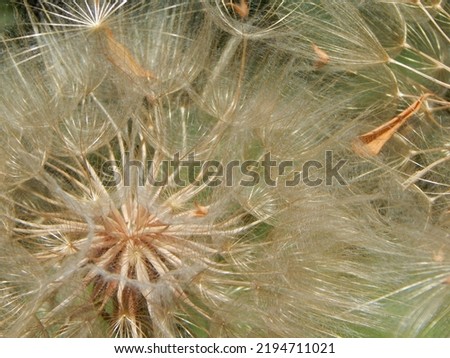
column 201, row 211
column 371, row 143
column 121, row 57
column 322, row 57
column 242, row 9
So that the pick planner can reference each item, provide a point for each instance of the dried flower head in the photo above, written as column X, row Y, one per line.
column 120, row 117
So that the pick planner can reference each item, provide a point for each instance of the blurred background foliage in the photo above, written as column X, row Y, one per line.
column 6, row 15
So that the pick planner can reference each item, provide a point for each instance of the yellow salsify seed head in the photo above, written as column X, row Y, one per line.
column 98, row 236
